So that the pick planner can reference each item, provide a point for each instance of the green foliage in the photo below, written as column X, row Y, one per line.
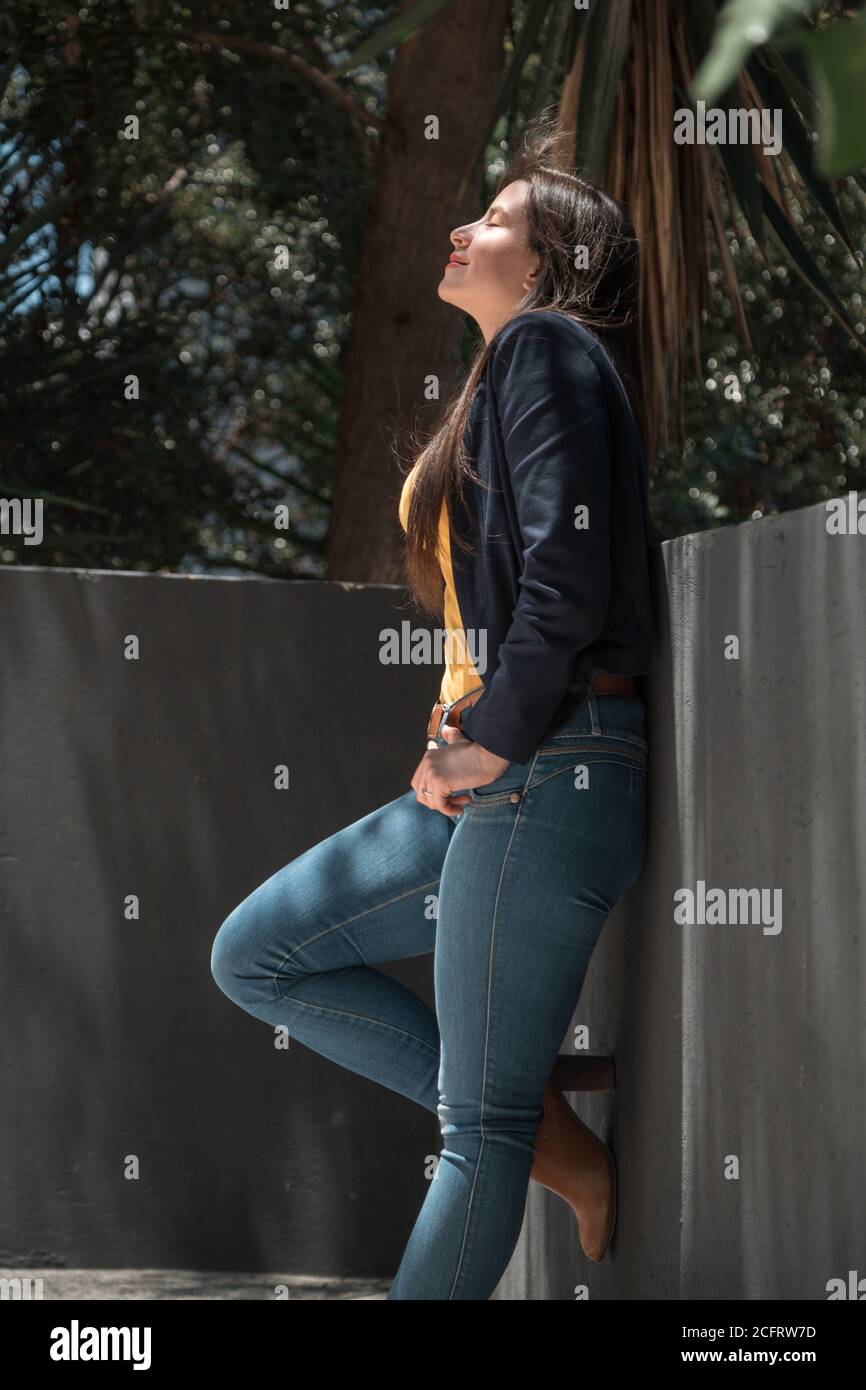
column 404, row 25
column 783, row 428
column 835, row 52
column 837, row 57
column 156, row 258
column 742, row 26
column 607, row 46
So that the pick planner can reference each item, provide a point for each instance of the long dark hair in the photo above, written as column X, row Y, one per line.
column 563, row 212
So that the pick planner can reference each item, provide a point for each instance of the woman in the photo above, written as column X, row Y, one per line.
column 527, row 818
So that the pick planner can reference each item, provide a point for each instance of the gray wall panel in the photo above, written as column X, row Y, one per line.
column 729, row 1041
column 156, row 777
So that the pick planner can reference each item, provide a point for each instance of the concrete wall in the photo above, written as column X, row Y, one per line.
column 155, row 777
column 732, row 1044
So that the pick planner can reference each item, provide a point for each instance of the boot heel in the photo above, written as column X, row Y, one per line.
column 560, row 1164
column 584, row 1073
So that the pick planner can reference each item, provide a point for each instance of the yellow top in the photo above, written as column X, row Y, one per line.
column 460, row 675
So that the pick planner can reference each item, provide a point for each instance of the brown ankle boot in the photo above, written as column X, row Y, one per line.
column 573, row 1162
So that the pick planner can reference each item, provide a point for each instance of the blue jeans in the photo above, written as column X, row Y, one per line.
column 511, row 897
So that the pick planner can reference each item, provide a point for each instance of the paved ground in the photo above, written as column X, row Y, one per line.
column 187, row 1284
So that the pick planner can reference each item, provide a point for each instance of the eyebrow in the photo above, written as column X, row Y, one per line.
column 497, row 207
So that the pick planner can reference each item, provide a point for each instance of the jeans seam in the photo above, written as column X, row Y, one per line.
column 599, row 750
column 591, row 762
column 363, row 1018
column 377, row 907
column 619, row 734
column 581, row 755
column 505, row 858
column 622, row 756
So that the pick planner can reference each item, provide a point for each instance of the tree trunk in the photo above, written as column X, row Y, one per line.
column 401, row 331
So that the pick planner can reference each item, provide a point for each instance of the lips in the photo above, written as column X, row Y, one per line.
column 455, row 260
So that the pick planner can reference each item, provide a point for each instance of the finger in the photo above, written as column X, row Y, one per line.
column 419, row 779
column 437, row 801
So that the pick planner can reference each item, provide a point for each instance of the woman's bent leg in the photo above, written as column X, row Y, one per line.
column 526, row 889
column 299, row 950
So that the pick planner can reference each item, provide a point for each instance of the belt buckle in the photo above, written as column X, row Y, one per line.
column 446, row 710
column 432, row 737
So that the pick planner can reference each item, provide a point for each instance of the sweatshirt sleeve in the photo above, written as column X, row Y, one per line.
column 554, row 425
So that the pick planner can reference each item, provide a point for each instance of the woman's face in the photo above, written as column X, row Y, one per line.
column 492, row 267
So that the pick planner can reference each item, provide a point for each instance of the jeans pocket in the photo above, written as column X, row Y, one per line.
column 575, row 756
column 507, row 788
column 628, row 748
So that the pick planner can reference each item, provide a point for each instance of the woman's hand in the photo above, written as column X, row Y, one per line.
column 462, row 764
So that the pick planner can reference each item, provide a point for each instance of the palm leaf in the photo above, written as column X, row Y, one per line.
column 525, row 45
column 794, row 77
column 14, row 490
column 837, row 57
column 739, row 160
column 405, row 25
column 606, row 44
column 742, row 26
column 798, row 145
column 564, row 27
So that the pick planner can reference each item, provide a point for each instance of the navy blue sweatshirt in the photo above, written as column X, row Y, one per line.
column 561, row 578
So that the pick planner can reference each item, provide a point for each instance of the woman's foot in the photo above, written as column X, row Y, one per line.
column 573, row 1162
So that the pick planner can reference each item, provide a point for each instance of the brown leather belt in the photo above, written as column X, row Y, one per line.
column 605, row 683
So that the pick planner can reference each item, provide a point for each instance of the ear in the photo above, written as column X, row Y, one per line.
column 533, row 274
